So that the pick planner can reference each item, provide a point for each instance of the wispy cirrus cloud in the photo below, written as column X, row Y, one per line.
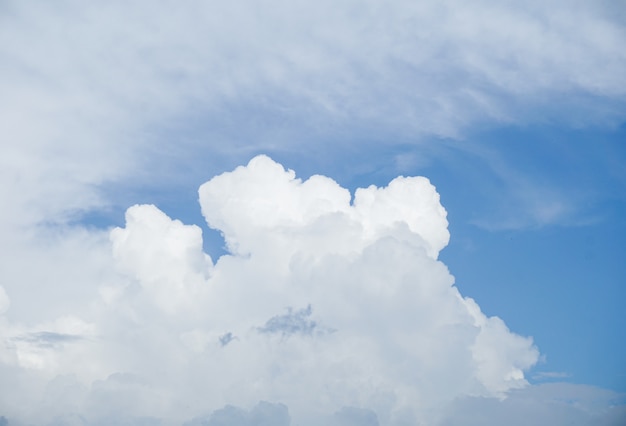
column 80, row 95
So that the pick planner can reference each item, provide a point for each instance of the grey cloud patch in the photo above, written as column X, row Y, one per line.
column 263, row 414
column 225, row 339
column 48, row 339
column 293, row 322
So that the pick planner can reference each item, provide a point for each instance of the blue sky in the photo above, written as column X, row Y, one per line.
column 562, row 280
column 117, row 115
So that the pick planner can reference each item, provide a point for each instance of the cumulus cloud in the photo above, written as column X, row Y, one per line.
column 164, row 256
column 323, row 302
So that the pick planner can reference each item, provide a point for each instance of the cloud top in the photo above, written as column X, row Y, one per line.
column 265, row 200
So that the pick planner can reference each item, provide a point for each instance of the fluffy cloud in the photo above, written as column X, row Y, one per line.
column 151, row 238
column 323, row 302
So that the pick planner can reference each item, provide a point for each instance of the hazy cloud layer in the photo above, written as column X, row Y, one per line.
column 549, row 404
column 90, row 89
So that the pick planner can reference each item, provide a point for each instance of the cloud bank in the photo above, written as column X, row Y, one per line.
column 325, row 303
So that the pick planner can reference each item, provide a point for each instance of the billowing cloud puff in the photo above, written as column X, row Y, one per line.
column 164, row 256
column 271, row 203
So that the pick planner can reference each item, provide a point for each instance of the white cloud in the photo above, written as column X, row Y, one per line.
column 150, row 239
column 326, row 303
column 271, row 198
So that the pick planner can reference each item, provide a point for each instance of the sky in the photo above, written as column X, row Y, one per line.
column 301, row 213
